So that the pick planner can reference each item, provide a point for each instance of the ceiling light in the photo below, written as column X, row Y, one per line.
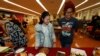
column 89, row 6
column 62, row 3
column 15, row 11
column 38, row 1
column 81, row 3
column 20, row 6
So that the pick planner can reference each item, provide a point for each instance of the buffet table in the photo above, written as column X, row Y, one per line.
column 52, row 51
column 33, row 51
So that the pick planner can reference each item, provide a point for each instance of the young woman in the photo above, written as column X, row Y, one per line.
column 69, row 25
column 45, row 36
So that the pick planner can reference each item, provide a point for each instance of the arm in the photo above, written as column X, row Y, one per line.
column 76, row 25
column 37, row 40
column 6, row 35
column 53, row 33
column 37, row 36
column 38, row 28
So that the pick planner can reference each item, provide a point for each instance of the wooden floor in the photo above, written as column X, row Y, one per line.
column 84, row 41
column 80, row 40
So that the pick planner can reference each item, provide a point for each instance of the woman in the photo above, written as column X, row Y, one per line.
column 69, row 25
column 1, row 33
column 45, row 36
column 16, row 34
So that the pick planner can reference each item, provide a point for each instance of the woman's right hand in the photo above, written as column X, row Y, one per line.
column 54, row 44
column 36, row 47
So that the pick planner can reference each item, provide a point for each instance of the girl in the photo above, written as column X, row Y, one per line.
column 45, row 36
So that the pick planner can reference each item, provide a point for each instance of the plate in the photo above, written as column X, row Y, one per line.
column 20, row 50
column 80, row 52
column 4, row 49
column 40, row 54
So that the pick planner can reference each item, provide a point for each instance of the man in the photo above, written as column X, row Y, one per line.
column 68, row 25
column 95, row 22
column 96, row 26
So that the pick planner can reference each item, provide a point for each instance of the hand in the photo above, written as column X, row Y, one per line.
column 36, row 47
column 66, row 29
column 54, row 44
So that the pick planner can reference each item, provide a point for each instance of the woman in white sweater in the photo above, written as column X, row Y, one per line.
column 45, row 36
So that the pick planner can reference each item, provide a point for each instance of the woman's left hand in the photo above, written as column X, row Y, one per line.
column 54, row 44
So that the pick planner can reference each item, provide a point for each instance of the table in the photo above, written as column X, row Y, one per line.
column 53, row 51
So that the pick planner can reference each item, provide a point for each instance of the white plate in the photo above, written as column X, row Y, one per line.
column 78, row 51
column 40, row 54
column 3, row 48
column 19, row 50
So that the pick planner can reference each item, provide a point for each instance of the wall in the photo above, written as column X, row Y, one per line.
column 88, row 13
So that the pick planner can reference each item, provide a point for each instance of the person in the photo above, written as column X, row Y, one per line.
column 15, row 21
column 24, row 26
column 1, row 34
column 15, row 33
column 68, row 24
column 45, row 36
column 95, row 23
column 24, row 23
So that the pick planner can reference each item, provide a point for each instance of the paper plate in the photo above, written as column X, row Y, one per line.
column 20, row 50
column 40, row 54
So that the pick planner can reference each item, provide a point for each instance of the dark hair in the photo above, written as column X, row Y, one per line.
column 97, row 17
column 43, row 15
column 69, row 4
